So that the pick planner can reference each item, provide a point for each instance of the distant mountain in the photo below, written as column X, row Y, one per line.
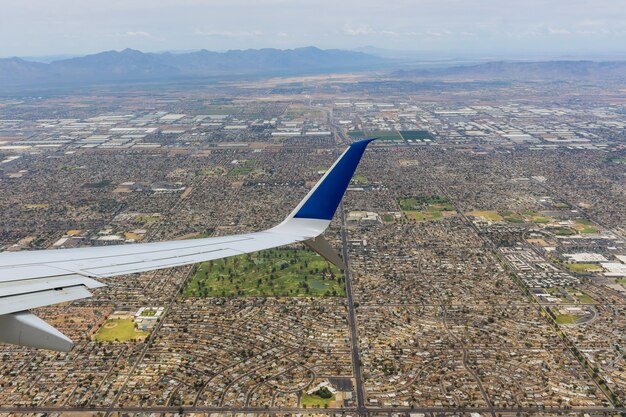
column 527, row 71
column 133, row 65
column 14, row 70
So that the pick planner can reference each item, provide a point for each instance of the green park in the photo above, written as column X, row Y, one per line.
column 119, row 330
column 270, row 273
column 423, row 208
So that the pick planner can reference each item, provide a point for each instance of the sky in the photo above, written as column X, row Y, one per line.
column 447, row 28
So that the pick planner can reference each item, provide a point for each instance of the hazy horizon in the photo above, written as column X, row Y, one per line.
column 444, row 28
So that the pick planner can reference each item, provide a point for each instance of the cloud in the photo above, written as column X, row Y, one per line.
column 358, row 30
column 364, row 30
column 228, row 33
column 559, row 31
column 438, row 33
column 139, row 33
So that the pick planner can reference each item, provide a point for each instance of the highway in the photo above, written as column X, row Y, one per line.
column 356, row 357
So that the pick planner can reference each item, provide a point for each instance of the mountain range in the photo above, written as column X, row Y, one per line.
column 133, row 65
column 524, row 71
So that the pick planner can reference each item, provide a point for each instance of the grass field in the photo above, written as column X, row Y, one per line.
column 583, row 267
column 380, row 134
column 387, row 218
column 271, row 273
column 148, row 312
column 315, row 401
column 357, row 134
column 422, row 208
column 512, row 217
column 566, row 319
column 298, row 111
column 584, row 298
column 118, row 330
column 525, row 216
column 421, row 202
column 239, row 171
column 147, row 218
column 360, row 179
column 415, row 215
column 430, row 214
column 99, row 184
column 242, row 168
column 565, row 231
column 585, row 226
column 541, row 220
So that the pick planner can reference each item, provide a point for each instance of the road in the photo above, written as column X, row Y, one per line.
column 356, row 357
column 294, row 410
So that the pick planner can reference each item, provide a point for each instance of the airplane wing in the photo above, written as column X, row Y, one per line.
column 32, row 279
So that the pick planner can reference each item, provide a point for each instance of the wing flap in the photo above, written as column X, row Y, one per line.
column 21, row 302
column 27, row 271
column 34, row 285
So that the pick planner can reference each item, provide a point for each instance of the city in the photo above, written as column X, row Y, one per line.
column 484, row 234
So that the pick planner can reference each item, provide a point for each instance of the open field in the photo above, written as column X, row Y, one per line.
column 583, row 267
column 422, row 202
column 430, row 214
column 564, row 231
column 566, row 319
column 393, row 134
column 585, row 227
column 357, row 134
column 221, row 109
column 380, row 134
column 297, row 111
column 360, row 179
column 210, row 172
column 239, row 171
column 583, row 298
column 487, row 215
column 314, row 401
column 525, row 216
column 100, row 184
column 422, row 208
column 118, row 330
column 147, row 218
column 272, row 273
column 149, row 312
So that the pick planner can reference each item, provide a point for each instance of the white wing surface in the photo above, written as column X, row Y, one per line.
column 32, row 279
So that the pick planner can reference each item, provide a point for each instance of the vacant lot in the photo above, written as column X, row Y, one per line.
column 487, row 215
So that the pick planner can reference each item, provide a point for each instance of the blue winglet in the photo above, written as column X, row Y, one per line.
column 325, row 199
